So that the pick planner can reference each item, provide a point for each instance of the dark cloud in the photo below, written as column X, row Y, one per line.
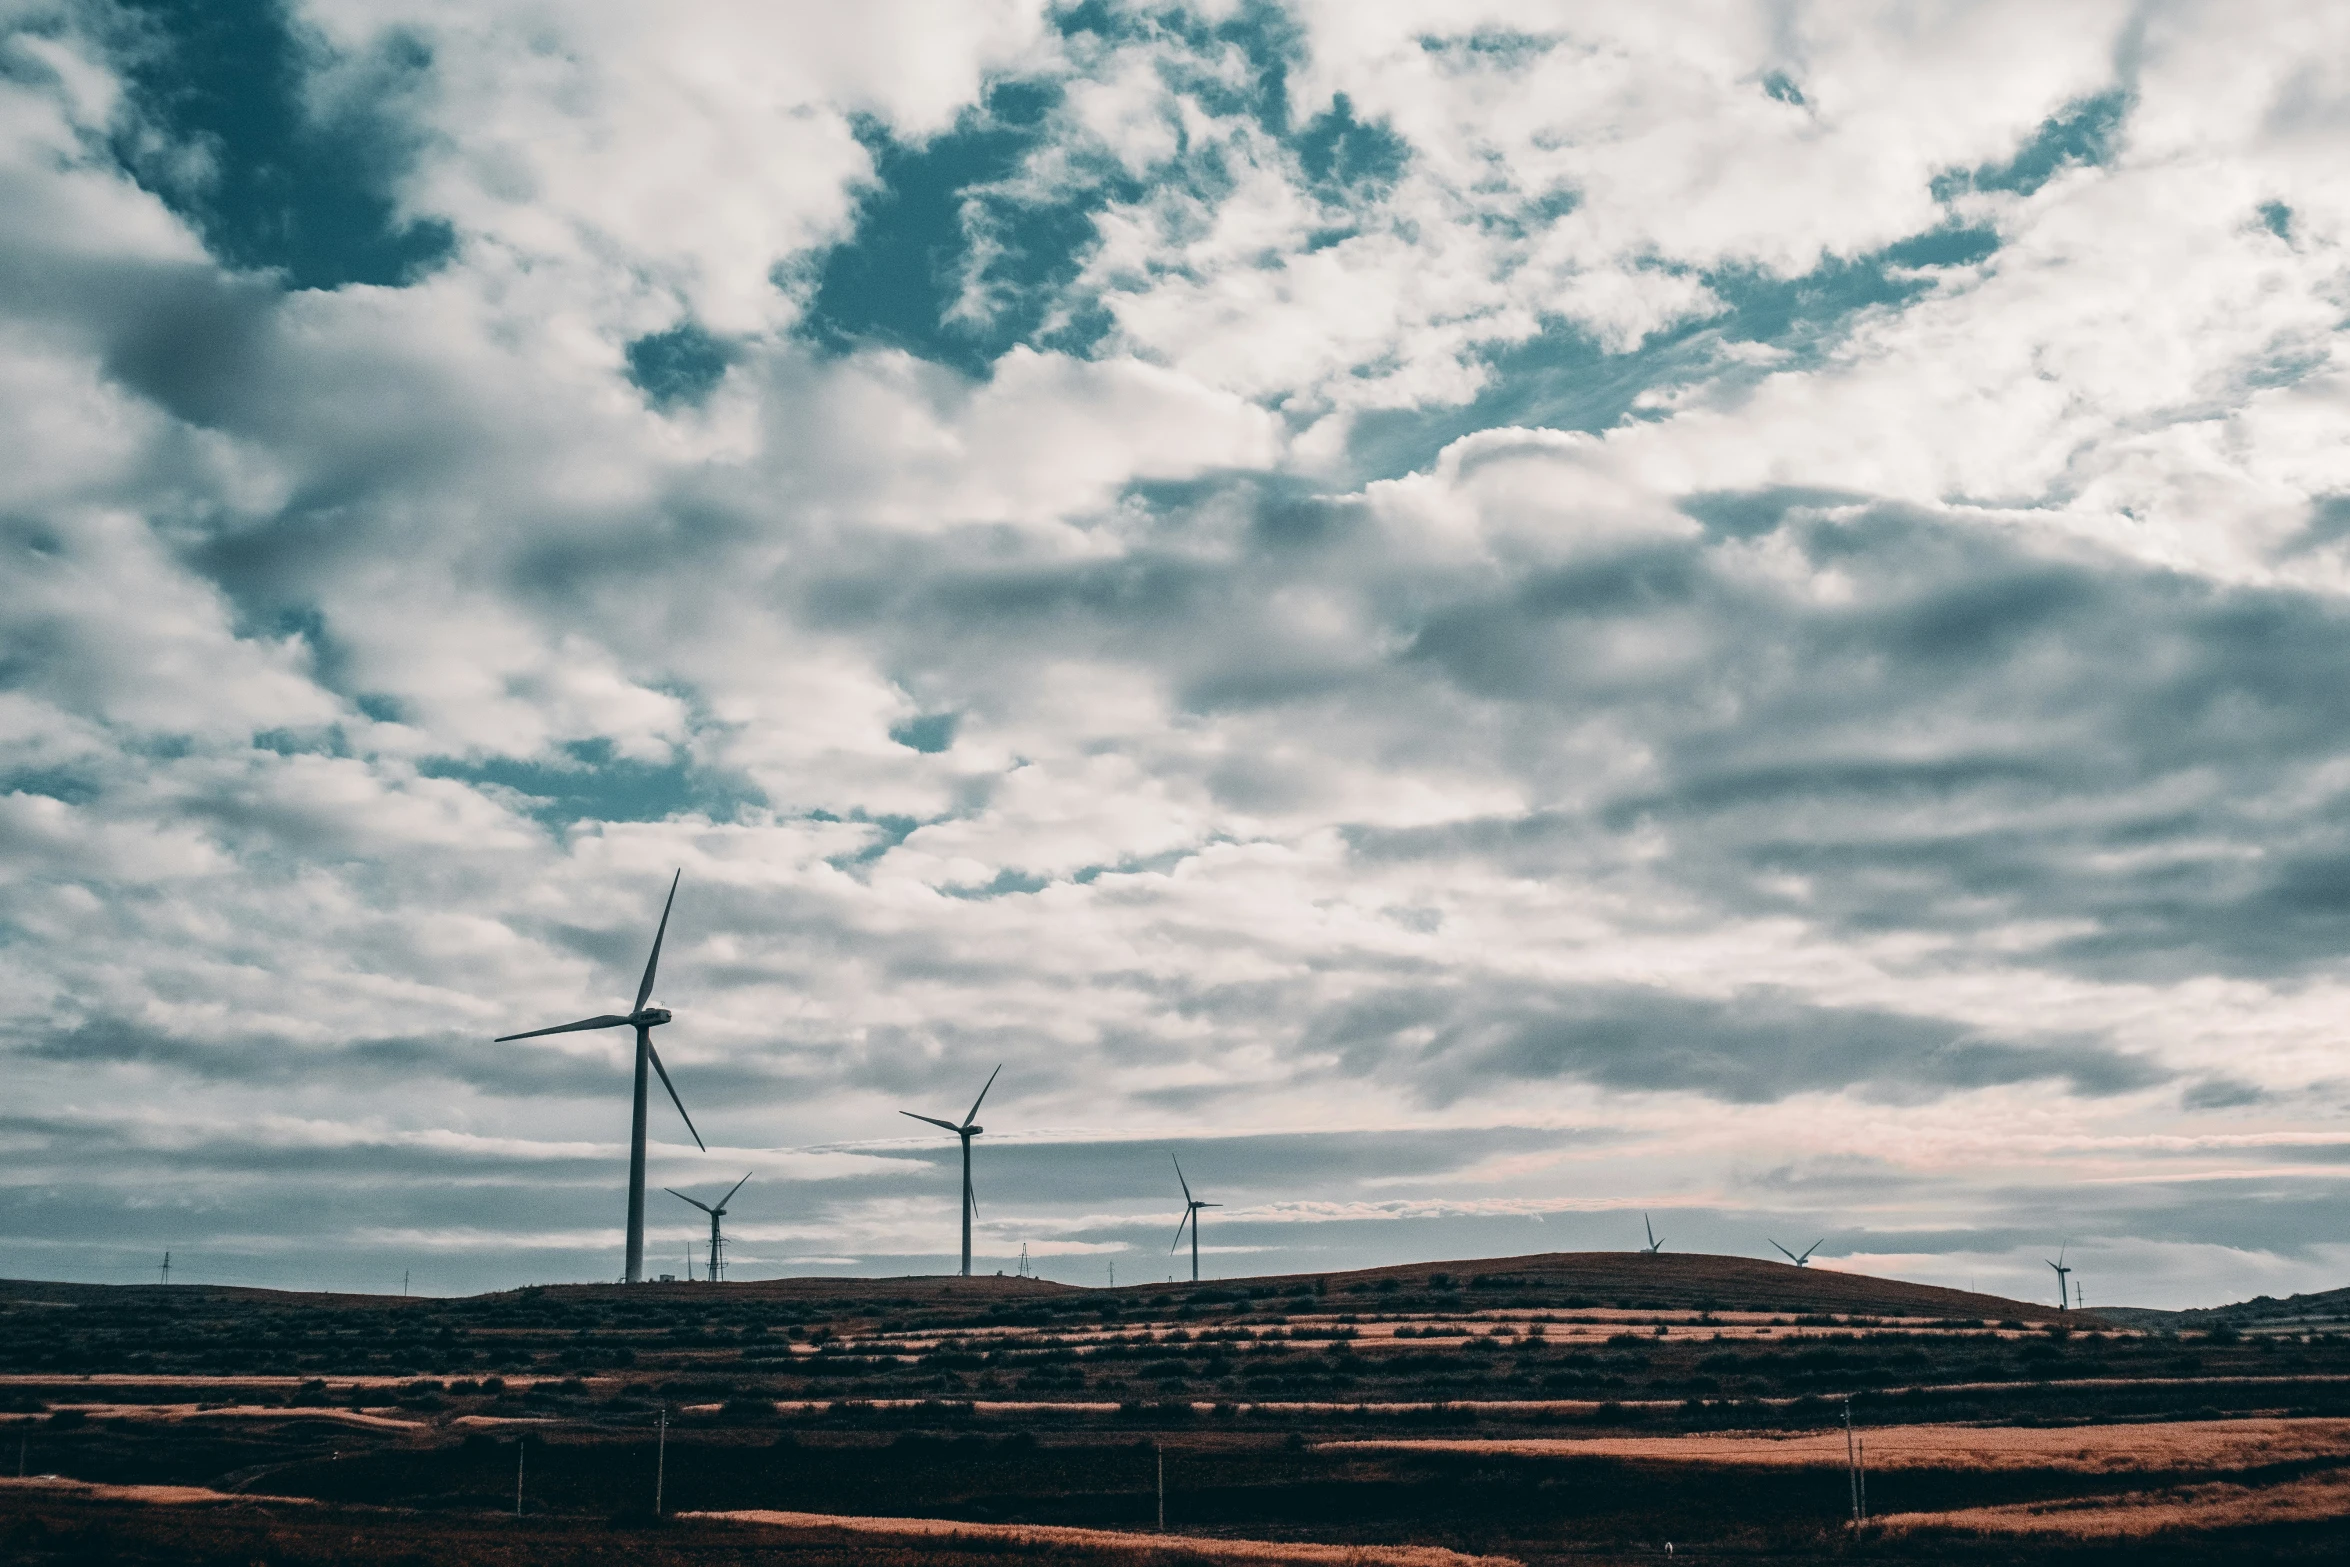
column 1756, row 1047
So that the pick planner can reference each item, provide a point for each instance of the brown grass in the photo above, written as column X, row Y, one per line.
column 1121, row 1543
column 150, row 1413
column 144, row 1495
column 2219, row 1505
column 2104, row 1449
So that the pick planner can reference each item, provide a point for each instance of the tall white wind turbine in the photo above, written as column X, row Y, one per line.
column 967, row 1129
column 644, row 1020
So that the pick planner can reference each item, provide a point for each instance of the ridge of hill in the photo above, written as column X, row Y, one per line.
column 2328, row 1309
column 1666, row 1281
column 1672, row 1281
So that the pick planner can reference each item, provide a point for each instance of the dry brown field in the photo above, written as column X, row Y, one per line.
column 1556, row 1409
column 2216, row 1508
column 2160, row 1448
column 1118, row 1545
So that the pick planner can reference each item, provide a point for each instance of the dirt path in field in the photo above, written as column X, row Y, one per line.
column 2154, row 1447
column 994, row 1537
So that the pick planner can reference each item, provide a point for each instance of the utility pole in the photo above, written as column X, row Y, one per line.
column 661, row 1461
column 166, row 1279
column 1162, row 1457
column 403, row 1281
column 1851, row 1462
column 519, row 1449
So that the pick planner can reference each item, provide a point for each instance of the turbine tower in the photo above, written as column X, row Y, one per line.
column 644, row 1020
column 1803, row 1261
column 1191, row 1207
column 967, row 1130
column 2061, row 1272
column 717, row 1241
column 1654, row 1245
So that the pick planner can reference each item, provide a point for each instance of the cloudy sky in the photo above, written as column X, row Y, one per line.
column 1483, row 617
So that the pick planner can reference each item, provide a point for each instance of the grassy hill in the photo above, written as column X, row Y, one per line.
column 1556, row 1280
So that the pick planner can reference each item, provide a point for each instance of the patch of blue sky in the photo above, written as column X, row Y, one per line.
column 1347, row 160
column 67, row 785
column 679, row 367
column 590, row 783
column 321, row 740
column 972, row 242
column 1265, row 37
column 2083, row 133
column 930, row 734
column 276, row 184
column 1487, row 47
column 1563, row 379
column 955, row 258
column 1008, row 883
column 889, row 832
column 1144, row 865
column 1746, row 514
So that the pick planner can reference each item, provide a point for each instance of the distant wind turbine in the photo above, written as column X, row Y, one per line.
column 1654, row 1245
column 717, row 1241
column 1803, row 1261
column 2061, row 1272
column 644, row 1020
column 967, row 1130
column 1191, row 1207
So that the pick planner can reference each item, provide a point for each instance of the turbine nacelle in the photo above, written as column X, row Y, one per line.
column 651, row 1017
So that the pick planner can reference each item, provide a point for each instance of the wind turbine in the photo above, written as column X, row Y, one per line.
column 1654, row 1245
column 717, row 1241
column 1191, row 1207
column 644, row 1020
column 1803, row 1261
column 966, row 1131
column 2061, row 1272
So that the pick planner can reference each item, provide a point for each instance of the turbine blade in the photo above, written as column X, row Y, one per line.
column 674, row 1192
column 933, row 1120
column 729, row 1197
column 606, row 1021
column 1179, row 1224
column 645, row 988
column 974, row 1115
column 1814, row 1246
column 1179, row 1180
column 673, row 1099
column 1783, row 1251
column 1207, row 1205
